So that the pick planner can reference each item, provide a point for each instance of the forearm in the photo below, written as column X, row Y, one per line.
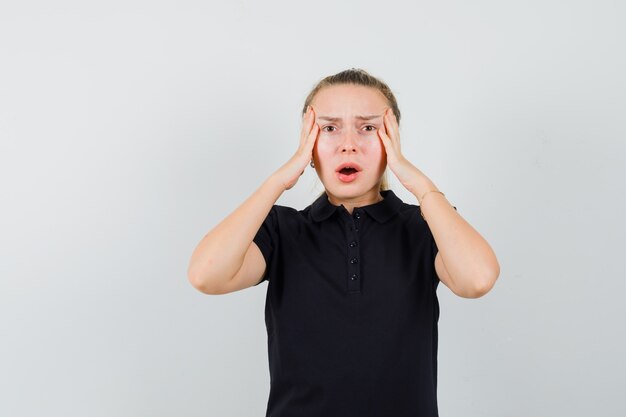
column 469, row 260
column 221, row 252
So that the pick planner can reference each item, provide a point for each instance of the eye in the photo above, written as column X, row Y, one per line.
column 372, row 128
column 333, row 127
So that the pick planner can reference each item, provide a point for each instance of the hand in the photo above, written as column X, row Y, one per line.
column 389, row 134
column 291, row 171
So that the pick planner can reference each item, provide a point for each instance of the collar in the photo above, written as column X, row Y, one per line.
column 321, row 209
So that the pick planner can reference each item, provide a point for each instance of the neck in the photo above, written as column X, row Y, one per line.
column 371, row 197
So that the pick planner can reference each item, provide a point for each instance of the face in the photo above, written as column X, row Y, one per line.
column 349, row 117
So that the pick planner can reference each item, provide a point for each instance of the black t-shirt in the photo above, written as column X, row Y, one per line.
column 351, row 310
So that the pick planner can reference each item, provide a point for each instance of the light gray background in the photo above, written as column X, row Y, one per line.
column 129, row 129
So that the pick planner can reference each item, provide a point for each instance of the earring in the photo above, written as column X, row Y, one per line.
column 312, row 164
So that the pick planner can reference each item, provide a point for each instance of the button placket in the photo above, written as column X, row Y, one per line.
column 354, row 264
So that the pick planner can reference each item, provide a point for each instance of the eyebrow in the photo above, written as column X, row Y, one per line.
column 337, row 119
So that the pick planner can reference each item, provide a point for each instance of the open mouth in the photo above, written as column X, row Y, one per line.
column 348, row 172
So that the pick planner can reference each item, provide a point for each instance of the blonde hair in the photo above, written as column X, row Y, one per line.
column 357, row 76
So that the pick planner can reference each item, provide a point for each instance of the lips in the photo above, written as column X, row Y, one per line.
column 348, row 171
column 349, row 167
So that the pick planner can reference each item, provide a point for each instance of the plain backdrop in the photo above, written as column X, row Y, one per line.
column 129, row 129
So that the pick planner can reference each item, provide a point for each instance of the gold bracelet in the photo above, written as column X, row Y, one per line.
column 422, row 199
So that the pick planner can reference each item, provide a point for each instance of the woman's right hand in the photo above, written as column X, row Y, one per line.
column 291, row 171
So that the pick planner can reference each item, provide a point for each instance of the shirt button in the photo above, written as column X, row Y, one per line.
column 358, row 215
column 352, row 244
column 354, row 260
column 353, row 277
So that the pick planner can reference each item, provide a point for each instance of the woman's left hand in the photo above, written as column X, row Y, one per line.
column 389, row 134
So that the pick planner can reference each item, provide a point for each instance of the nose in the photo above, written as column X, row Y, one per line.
column 348, row 144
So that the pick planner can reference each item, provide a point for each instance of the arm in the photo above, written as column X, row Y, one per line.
column 465, row 262
column 221, row 252
column 226, row 259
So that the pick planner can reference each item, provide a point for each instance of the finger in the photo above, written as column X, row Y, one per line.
column 391, row 130
column 310, row 120
column 382, row 133
column 312, row 138
column 303, row 123
column 306, row 125
column 393, row 124
column 383, row 127
column 312, row 125
column 387, row 123
column 387, row 127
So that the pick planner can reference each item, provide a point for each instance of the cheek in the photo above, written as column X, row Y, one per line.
column 367, row 143
column 375, row 154
column 324, row 145
column 373, row 146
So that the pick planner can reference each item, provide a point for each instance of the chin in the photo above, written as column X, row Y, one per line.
column 350, row 190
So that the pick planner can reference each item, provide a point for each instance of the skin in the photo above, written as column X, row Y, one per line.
column 465, row 262
column 350, row 139
column 227, row 259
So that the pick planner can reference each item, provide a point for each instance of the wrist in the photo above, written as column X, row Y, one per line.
column 422, row 186
column 421, row 200
column 276, row 182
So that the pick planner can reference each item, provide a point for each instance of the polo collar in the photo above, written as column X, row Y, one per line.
column 321, row 209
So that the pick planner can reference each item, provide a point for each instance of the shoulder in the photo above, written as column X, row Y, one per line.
column 411, row 213
column 285, row 215
column 288, row 212
column 396, row 209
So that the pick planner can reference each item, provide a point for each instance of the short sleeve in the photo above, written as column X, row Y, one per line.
column 266, row 239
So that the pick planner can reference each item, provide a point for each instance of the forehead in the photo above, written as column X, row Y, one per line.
column 349, row 99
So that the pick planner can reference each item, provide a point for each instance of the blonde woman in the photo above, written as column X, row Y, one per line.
column 351, row 309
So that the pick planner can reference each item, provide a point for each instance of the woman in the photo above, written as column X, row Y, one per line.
column 351, row 308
